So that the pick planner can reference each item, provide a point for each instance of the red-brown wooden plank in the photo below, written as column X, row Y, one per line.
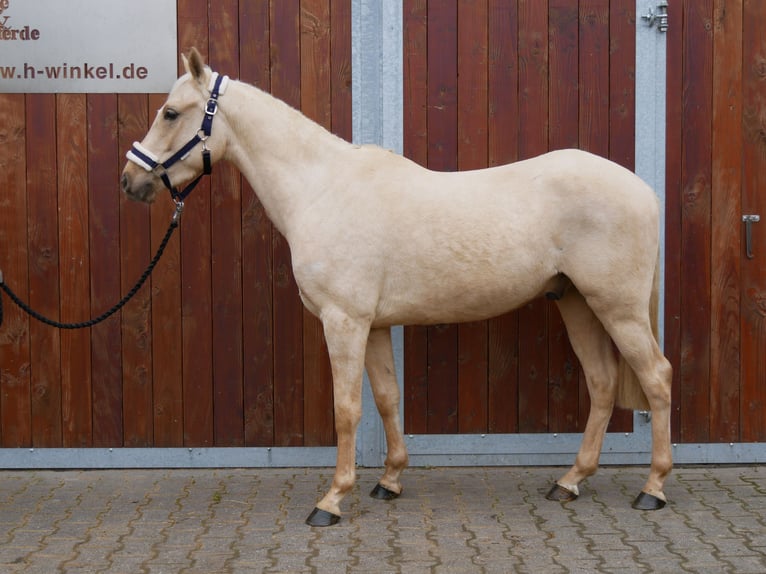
column 71, row 137
column 226, row 225
column 753, row 402
column 340, row 51
column 672, row 262
column 442, row 155
column 416, row 148
column 196, row 304
column 533, row 140
column 316, row 103
column 594, row 76
column 695, row 248
column 166, row 325
column 503, row 113
column 472, row 120
column 563, row 42
column 563, row 373
column 726, row 210
column 256, row 251
column 15, row 406
column 135, row 253
column 288, row 310
column 42, row 224
column 106, row 348
column 622, row 118
column 622, row 82
column 595, row 112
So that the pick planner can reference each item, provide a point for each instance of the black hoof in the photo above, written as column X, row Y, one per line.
column 560, row 494
column 382, row 493
column 645, row 501
column 319, row 517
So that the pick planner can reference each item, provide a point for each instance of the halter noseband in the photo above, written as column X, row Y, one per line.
column 150, row 162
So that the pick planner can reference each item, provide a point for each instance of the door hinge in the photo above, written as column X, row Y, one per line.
column 660, row 17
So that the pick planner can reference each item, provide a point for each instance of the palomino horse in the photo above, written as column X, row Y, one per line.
column 376, row 240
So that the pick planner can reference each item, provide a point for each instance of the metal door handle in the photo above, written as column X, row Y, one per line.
column 749, row 220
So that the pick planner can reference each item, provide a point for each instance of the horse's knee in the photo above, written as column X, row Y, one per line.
column 347, row 418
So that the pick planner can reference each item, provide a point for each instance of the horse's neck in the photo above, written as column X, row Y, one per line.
column 281, row 153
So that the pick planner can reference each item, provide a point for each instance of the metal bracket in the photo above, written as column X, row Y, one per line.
column 749, row 220
column 660, row 17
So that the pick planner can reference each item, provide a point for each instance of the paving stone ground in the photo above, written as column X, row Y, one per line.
column 448, row 520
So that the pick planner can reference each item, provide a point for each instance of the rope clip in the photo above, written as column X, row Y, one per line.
column 176, row 218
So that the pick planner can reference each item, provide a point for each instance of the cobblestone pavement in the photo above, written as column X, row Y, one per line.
column 447, row 520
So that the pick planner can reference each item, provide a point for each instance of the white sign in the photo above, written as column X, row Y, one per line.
column 88, row 46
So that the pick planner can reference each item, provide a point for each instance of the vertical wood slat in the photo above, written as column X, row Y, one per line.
column 134, row 255
column 167, row 329
column 533, row 140
column 258, row 327
column 696, row 198
column 563, row 40
column 442, row 156
column 622, row 80
column 503, row 117
column 104, row 229
column 42, row 230
column 674, row 109
column 76, row 381
column 226, row 242
column 753, row 404
column 415, row 33
column 288, row 311
column 316, row 103
column 472, row 146
column 340, row 53
column 622, row 125
column 196, row 304
column 15, row 404
column 726, row 209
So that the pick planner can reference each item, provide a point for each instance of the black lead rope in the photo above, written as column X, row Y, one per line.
column 32, row 313
column 149, row 162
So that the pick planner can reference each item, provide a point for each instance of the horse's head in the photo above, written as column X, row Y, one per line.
column 182, row 142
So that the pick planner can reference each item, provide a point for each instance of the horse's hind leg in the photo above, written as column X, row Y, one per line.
column 593, row 347
column 636, row 342
column 380, row 369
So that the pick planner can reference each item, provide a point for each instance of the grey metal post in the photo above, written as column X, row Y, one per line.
column 377, row 103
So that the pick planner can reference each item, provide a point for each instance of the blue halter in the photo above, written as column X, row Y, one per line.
column 150, row 162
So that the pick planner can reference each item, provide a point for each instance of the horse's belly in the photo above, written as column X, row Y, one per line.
column 442, row 304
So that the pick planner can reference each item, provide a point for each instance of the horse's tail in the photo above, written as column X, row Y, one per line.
column 630, row 395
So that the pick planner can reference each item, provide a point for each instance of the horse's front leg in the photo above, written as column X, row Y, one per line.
column 346, row 341
column 379, row 362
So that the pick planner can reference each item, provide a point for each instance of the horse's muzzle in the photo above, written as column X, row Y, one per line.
column 139, row 188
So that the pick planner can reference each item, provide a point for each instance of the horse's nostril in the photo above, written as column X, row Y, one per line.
column 125, row 182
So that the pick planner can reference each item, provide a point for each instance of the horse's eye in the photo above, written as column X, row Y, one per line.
column 170, row 114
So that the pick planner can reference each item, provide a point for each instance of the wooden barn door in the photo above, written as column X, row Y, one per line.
column 716, row 293
column 489, row 82
column 217, row 350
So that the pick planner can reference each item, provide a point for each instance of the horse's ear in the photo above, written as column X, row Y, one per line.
column 194, row 64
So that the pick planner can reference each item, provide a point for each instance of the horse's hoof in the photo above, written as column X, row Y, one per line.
column 319, row 517
column 646, row 501
column 561, row 494
column 382, row 493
